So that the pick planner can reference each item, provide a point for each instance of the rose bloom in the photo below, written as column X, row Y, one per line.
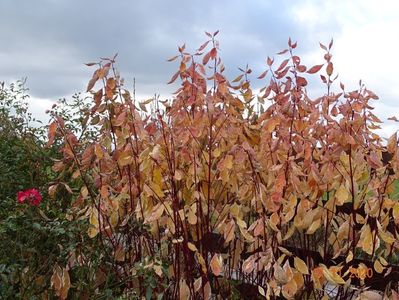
column 32, row 196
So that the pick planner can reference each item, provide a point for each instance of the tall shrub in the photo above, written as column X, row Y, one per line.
column 224, row 192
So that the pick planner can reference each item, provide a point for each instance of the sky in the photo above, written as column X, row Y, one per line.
column 48, row 41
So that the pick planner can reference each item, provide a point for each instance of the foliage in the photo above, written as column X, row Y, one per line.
column 222, row 192
column 36, row 236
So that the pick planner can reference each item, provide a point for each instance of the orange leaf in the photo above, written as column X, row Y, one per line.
column 216, row 264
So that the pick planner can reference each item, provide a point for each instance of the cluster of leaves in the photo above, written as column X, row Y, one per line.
column 222, row 192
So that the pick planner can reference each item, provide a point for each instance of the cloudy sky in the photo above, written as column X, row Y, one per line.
column 48, row 41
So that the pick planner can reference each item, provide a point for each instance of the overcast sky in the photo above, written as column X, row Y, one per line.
column 48, row 41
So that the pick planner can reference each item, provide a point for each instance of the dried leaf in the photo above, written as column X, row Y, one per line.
column 301, row 266
column 216, row 264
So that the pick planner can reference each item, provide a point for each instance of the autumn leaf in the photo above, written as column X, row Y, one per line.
column 329, row 69
column 216, row 264
column 314, row 69
column 51, row 133
column 301, row 266
column 341, row 195
column 332, row 275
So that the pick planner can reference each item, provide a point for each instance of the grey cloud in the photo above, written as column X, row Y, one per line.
column 48, row 41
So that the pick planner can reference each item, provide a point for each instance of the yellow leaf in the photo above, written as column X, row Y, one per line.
column 395, row 212
column 98, row 151
column 241, row 223
column 228, row 162
column 125, row 159
column 192, row 247
column 235, row 210
column 301, row 266
column 261, row 291
column 192, row 217
column 314, row 226
column 157, row 190
column 332, row 274
column 216, row 264
column 92, row 232
column 114, row 218
column 378, row 267
column 366, row 239
column 201, row 261
column 157, row 176
column 93, row 218
column 156, row 213
column 216, row 152
column 84, row 191
column 383, row 261
column 274, row 221
column 349, row 257
column 341, row 195
column 246, row 235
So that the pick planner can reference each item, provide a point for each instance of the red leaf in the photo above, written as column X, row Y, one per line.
column 283, row 64
column 238, row 78
column 206, row 58
column 181, row 49
column 301, row 68
column 213, row 53
column 203, row 46
column 173, row 58
column 323, row 47
column 91, row 83
column 314, row 69
column 330, row 68
column 393, row 119
column 263, row 74
column 301, row 81
column 174, row 77
column 282, row 52
column 269, row 61
column 330, row 45
column 281, row 74
column 296, row 59
column 215, row 33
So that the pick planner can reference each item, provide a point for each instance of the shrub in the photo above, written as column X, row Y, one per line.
column 223, row 192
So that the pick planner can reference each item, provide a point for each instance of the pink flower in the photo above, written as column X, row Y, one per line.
column 32, row 196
